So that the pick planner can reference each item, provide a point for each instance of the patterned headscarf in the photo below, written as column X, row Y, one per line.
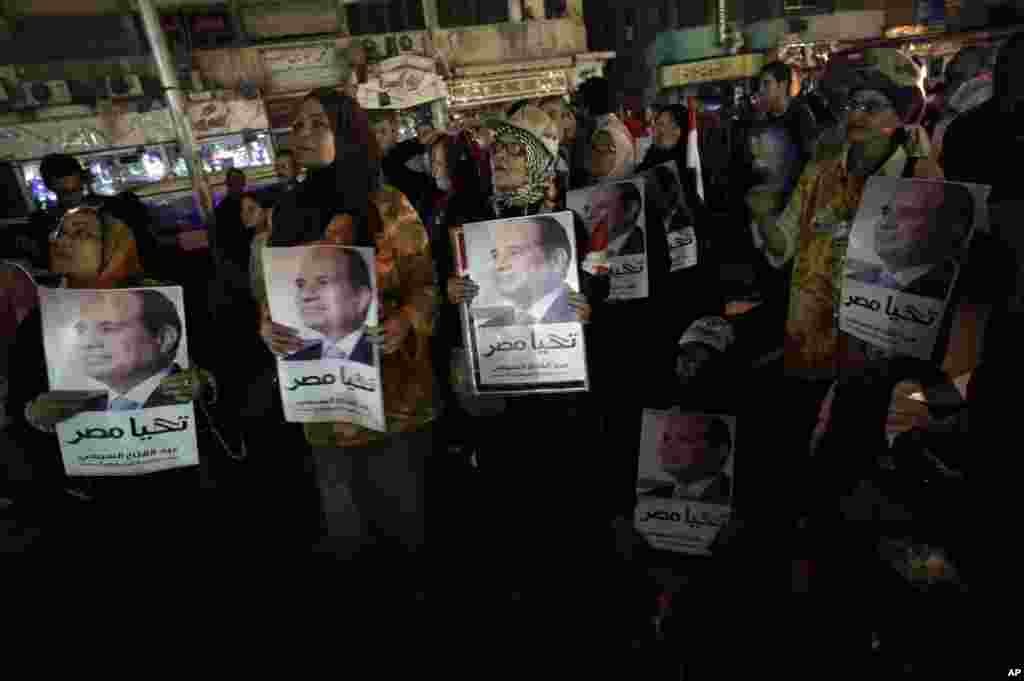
column 540, row 169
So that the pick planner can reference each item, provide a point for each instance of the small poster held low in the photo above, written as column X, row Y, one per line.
column 328, row 293
column 522, row 332
column 903, row 261
column 685, row 479
column 113, row 350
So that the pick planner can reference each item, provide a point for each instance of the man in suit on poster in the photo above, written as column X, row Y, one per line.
column 693, row 449
column 531, row 260
column 333, row 293
column 615, row 210
column 917, row 239
column 127, row 341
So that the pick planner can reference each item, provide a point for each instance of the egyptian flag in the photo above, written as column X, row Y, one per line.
column 693, row 146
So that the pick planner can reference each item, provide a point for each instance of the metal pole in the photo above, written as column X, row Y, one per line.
column 175, row 102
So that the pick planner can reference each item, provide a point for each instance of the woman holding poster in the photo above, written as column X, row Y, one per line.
column 93, row 252
column 531, row 268
column 370, row 482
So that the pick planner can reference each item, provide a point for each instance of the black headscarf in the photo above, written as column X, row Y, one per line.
column 343, row 187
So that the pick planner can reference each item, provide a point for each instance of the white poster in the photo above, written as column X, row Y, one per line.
column 523, row 332
column 117, row 347
column 904, row 259
column 685, row 479
column 329, row 294
column 614, row 217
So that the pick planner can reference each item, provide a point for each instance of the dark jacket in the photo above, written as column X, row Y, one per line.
column 361, row 354
column 559, row 312
column 934, row 283
column 718, row 492
column 157, row 399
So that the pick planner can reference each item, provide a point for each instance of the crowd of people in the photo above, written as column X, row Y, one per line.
column 533, row 495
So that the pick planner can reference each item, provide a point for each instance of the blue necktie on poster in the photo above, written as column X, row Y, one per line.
column 122, row 404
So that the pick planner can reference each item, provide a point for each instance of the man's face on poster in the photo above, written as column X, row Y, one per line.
column 112, row 344
column 522, row 271
column 325, row 297
column 906, row 236
column 607, row 207
column 685, row 451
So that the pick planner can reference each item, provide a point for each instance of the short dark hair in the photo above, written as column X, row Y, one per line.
column 358, row 270
column 159, row 311
column 56, row 166
column 780, row 72
column 234, row 171
column 678, row 112
column 597, row 96
column 553, row 236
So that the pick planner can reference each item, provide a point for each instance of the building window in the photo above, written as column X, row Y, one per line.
column 393, row 17
column 457, row 13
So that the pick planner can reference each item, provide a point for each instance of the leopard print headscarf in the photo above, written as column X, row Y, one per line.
column 540, row 168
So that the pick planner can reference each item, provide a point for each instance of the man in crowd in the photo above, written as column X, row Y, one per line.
column 127, row 341
column 615, row 210
column 917, row 238
column 333, row 292
column 693, row 449
column 531, row 260
column 775, row 89
column 64, row 176
column 287, row 170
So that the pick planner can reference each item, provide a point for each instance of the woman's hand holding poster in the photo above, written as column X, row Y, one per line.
column 118, row 352
column 903, row 261
column 522, row 330
column 329, row 294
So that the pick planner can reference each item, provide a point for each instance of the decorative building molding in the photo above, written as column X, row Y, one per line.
column 710, row 70
column 467, row 93
column 476, row 70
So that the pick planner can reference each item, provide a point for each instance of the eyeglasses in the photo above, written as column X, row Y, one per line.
column 868, row 106
column 510, row 148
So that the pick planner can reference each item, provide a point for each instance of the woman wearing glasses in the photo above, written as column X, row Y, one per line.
column 92, row 250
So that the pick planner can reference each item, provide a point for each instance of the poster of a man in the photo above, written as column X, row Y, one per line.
column 522, row 328
column 532, row 258
column 693, row 450
column 916, row 237
column 615, row 211
column 118, row 355
column 333, row 291
column 123, row 343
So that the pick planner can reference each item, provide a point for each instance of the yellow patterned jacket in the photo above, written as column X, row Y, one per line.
column 407, row 285
column 813, row 232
